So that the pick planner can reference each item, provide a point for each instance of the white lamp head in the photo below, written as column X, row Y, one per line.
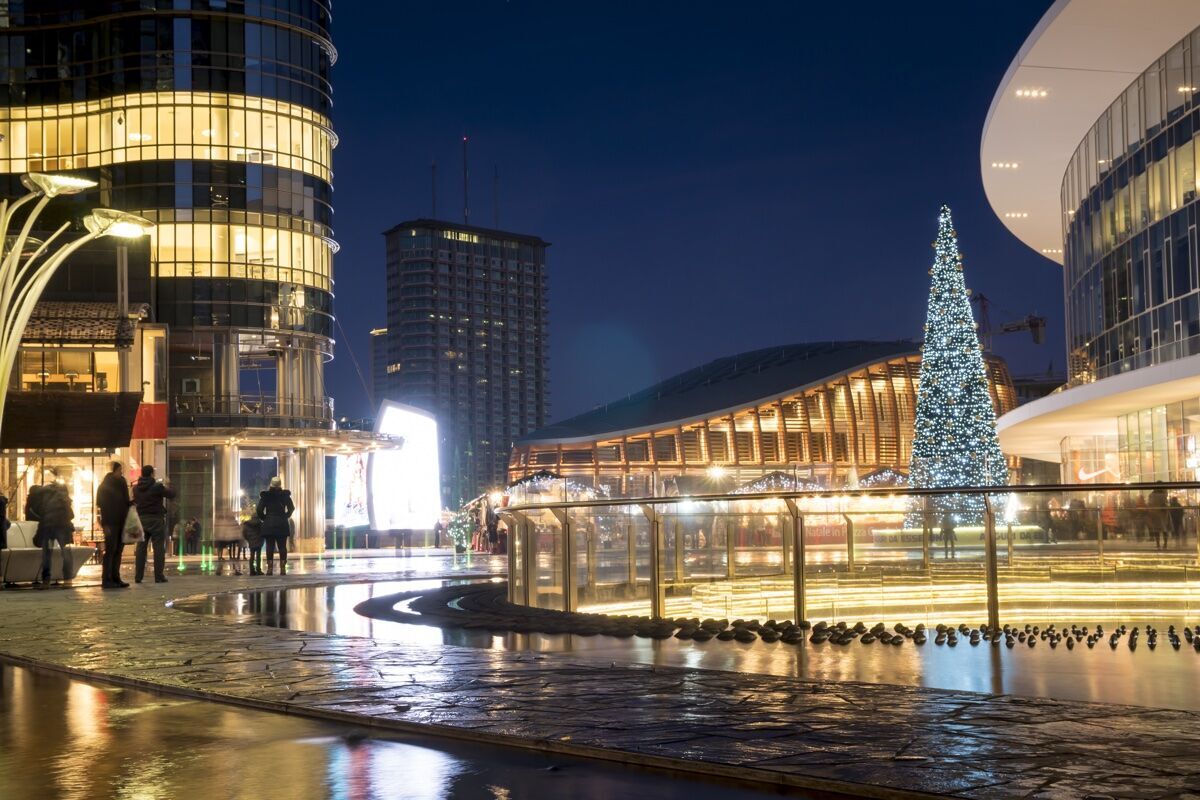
column 55, row 185
column 123, row 225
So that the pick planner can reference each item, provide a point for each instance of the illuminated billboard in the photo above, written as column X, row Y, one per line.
column 405, row 484
column 350, row 497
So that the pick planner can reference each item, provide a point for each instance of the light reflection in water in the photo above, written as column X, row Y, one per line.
column 134, row 745
column 1163, row 678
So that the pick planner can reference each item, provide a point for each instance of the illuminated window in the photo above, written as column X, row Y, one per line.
column 216, row 250
column 165, row 125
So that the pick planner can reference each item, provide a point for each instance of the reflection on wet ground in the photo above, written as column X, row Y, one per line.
column 1162, row 678
column 65, row 738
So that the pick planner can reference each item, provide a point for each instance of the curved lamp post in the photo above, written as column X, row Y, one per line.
column 24, row 275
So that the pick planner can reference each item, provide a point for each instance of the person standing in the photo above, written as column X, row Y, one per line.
column 949, row 537
column 1176, row 511
column 253, row 534
column 149, row 497
column 4, row 523
column 51, row 506
column 1158, row 517
column 112, row 498
column 275, row 509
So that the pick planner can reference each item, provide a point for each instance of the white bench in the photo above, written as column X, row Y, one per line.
column 21, row 562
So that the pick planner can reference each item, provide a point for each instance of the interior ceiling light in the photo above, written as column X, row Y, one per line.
column 1186, row 89
column 1052, row 251
column 1016, row 214
column 1005, row 165
column 1032, row 93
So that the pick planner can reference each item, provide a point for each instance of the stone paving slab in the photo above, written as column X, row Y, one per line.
column 867, row 740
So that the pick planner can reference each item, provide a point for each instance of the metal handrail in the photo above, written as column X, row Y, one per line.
column 1053, row 488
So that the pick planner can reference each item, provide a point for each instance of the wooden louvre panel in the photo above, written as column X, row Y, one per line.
column 664, row 448
column 608, row 453
column 745, row 446
column 577, row 456
column 691, row 446
column 718, row 446
column 637, row 450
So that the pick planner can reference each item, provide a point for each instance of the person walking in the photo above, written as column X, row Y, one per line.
column 50, row 505
column 149, row 497
column 275, row 509
column 112, row 499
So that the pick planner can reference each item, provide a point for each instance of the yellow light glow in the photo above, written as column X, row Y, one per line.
column 55, row 185
column 110, row 222
column 165, row 125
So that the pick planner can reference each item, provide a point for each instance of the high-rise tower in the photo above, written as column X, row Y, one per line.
column 467, row 341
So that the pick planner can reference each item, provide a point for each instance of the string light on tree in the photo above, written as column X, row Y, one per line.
column 954, row 437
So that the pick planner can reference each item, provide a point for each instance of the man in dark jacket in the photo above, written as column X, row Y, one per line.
column 112, row 498
column 50, row 506
column 149, row 498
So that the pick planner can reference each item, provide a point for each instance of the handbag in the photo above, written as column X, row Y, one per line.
column 133, row 532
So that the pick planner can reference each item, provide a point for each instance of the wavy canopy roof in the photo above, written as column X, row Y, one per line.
column 1081, row 55
column 722, row 386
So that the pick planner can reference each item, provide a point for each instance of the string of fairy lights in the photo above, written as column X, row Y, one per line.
column 954, row 436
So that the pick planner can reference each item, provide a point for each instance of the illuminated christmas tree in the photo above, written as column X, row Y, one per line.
column 954, row 437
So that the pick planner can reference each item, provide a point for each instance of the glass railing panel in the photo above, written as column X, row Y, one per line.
column 613, row 559
column 547, row 551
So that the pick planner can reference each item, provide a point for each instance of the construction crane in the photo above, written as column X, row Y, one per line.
column 1035, row 324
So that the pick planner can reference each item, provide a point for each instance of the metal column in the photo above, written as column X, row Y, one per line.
column 926, row 534
column 570, row 568
column 730, row 550
column 528, row 557
column 992, row 578
column 678, row 551
column 799, row 601
column 657, row 596
column 631, row 547
column 849, row 541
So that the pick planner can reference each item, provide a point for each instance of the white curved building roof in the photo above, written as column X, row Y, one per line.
column 1077, row 61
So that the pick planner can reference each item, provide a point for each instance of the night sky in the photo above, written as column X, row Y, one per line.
column 713, row 177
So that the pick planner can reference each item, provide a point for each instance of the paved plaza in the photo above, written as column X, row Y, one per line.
column 862, row 739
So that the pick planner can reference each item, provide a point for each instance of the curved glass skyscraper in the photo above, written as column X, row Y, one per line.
column 211, row 118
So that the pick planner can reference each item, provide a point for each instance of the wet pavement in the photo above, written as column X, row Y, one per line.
column 1160, row 678
column 870, row 740
column 67, row 738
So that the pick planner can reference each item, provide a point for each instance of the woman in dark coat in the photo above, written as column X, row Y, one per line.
column 275, row 508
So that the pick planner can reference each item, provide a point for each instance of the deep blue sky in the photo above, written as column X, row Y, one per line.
column 713, row 177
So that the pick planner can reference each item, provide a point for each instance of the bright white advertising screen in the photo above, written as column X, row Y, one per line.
column 350, row 501
column 405, row 487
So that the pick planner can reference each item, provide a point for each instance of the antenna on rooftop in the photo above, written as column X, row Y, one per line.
column 466, row 195
column 496, row 196
column 433, row 189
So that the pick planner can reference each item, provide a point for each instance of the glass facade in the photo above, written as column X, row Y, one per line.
column 1159, row 443
column 829, row 435
column 1131, row 262
column 209, row 126
column 212, row 120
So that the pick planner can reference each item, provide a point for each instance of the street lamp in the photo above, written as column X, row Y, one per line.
column 23, row 277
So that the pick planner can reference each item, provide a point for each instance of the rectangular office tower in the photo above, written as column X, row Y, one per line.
column 467, row 342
